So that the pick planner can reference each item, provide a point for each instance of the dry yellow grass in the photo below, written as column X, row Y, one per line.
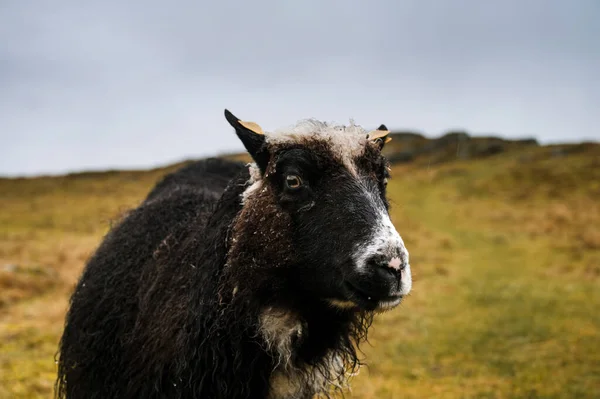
column 505, row 253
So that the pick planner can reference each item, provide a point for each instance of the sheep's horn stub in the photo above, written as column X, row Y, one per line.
column 252, row 126
column 235, row 121
column 252, row 136
column 380, row 132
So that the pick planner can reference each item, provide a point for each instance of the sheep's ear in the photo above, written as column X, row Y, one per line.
column 253, row 138
column 380, row 136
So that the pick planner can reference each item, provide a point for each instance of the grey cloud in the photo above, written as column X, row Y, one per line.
column 134, row 84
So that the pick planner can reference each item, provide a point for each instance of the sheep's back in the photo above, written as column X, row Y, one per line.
column 105, row 306
column 210, row 175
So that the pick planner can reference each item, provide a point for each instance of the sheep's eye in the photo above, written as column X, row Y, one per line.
column 293, row 181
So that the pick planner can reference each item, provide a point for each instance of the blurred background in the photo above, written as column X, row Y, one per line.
column 495, row 182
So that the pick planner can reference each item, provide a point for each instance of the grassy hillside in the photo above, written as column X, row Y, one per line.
column 505, row 250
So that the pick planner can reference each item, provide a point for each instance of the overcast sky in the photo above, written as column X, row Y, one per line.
column 87, row 85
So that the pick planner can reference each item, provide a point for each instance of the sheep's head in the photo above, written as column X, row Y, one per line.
column 316, row 207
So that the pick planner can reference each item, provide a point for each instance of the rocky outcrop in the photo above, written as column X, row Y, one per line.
column 411, row 146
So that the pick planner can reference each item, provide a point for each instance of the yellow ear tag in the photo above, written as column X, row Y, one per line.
column 387, row 140
column 252, row 126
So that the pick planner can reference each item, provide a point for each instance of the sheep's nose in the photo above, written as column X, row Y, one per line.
column 395, row 263
column 386, row 268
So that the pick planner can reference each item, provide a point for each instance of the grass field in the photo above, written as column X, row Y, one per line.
column 505, row 253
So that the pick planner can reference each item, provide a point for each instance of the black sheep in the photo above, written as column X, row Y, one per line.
column 233, row 281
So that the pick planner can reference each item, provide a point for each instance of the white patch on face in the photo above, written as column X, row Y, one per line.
column 406, row 279
column 346, row 142
column 386, row 241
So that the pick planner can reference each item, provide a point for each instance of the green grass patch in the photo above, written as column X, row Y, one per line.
column 505, row 252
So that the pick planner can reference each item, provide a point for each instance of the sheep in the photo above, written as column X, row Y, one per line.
column 242, row 281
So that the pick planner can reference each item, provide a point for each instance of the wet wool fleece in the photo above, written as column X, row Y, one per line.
column 162, row 312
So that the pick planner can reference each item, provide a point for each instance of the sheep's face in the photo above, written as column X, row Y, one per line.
column 330, row 185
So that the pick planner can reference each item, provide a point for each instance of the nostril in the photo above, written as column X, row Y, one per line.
column 387, row 273
column 385, row 267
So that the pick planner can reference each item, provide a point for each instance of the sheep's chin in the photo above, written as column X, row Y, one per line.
column 384, row 306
